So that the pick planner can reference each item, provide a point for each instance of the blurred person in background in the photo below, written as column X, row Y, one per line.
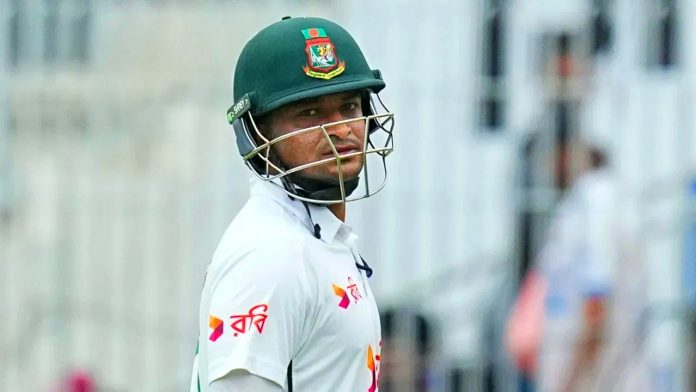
column 77, row 380
column 286, row 304
column 407, row 347
column 592, row 279
column 689, row 281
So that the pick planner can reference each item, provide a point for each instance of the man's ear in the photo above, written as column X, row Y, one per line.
column 263, row 124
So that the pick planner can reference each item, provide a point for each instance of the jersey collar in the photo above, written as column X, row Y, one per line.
column 321, row 215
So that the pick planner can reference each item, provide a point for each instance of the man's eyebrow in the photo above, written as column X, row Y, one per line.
column 347, row 96
column 351, row 97
column 307, row 101
column 351, row 94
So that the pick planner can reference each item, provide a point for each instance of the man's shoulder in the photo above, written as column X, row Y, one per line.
column 263, row 213
column 262, row 233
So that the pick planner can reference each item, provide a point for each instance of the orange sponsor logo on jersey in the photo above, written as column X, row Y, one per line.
column 217, row 326
column 343, row 294
column 373, row 360
column 241, row 323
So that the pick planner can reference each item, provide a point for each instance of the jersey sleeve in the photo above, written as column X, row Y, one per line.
column 259, row 304
column 243, row 381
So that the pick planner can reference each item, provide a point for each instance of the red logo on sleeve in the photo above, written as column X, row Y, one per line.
column 217, row 326
column 256, row 317
column 242, row 323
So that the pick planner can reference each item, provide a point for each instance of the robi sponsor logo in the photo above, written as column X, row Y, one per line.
column 351, row 288
column 255, row 318
column 345, row 301
column 373, row 360
column 217, row 326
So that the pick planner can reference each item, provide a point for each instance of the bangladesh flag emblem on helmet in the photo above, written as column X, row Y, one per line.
column 322, row 61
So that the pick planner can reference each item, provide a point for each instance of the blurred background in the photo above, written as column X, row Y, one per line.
column 119, row 174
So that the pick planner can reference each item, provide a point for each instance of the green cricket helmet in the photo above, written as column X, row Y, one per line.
column 296, row 59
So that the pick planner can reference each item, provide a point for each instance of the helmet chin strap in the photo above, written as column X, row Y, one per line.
column 314, row 189
column 322, row 190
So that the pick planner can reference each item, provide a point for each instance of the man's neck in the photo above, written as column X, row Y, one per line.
column 339, row 210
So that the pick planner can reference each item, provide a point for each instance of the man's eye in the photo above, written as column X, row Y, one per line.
column 350, row 106
column 308, row 113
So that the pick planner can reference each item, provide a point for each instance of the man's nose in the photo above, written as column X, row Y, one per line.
column 339, row 130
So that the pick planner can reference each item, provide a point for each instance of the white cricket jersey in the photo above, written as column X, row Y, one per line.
column 275, row 293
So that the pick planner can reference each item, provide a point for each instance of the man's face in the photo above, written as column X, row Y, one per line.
column 313, row 146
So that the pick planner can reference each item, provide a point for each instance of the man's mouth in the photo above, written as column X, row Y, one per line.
column 342, row 150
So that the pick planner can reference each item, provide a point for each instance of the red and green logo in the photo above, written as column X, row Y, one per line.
column 322, row 61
